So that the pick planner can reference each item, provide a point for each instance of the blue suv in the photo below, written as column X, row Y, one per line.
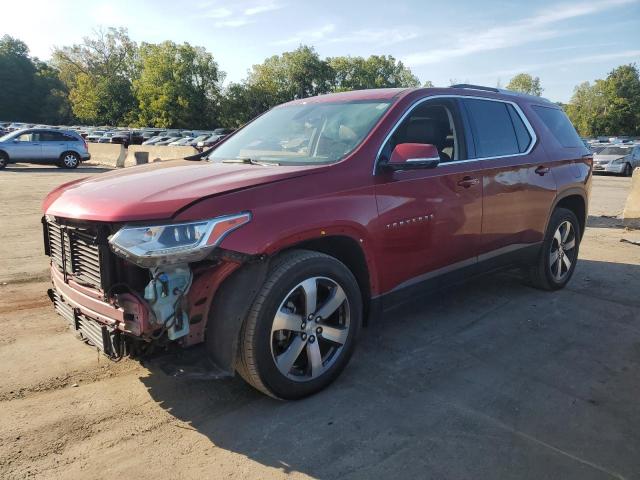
column 63, row 148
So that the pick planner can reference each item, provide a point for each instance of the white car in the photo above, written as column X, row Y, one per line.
column 620, row 159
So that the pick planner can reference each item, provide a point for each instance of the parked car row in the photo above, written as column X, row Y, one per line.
column 141, row 136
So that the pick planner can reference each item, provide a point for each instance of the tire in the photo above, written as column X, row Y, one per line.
column 628, row 171
column 69, row 160
column 554, row 266
column 308, row 359
column 4, row 160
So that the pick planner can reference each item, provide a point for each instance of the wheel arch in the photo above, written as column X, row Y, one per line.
column 347, row 250
column 574, row 200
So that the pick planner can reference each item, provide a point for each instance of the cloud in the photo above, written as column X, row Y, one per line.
column 370, row 36
column 220, row 12
column 307, row 35
column 377, row 36
column 233, row 23
column 265, row 7
column 594, row 58
column 532, row 29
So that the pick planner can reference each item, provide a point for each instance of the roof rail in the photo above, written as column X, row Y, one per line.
column 501, row 90
column 476, row 87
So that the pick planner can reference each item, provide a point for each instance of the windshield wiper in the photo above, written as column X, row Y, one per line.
column 249, row 161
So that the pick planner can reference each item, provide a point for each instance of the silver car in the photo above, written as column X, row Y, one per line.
column 620, row 159
column 63, row 148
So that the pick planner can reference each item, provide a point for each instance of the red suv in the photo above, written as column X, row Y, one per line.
column 312, row 219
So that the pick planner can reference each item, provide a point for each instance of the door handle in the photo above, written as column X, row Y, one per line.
column 467, row 182
column 542, row 171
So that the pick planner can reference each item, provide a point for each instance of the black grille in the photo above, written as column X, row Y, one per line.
column 76, row 252
column 106, row 339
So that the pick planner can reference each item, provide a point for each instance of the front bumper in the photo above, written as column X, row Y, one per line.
column 608, row 167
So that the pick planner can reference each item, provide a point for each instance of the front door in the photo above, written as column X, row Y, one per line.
column 429, row 220
column 25, row 147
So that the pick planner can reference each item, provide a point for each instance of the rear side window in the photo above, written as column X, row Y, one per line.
column 497, row 128
column 559, row 125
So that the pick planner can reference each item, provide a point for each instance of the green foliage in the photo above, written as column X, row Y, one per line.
column 357, row 73
column 29, row 89
column 608, row 107
column 179, row 86
column 525, row 83
column 99, row 74
column 297, row 74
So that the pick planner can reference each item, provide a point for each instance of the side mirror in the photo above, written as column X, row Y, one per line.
column 412, row 156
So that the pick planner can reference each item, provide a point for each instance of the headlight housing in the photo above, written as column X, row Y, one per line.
column 618, row 161
column 154, row 245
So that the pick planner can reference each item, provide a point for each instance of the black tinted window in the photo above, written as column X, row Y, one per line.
column 493, row 129
column 522, row 134
column 560, row 126
column 52, row 137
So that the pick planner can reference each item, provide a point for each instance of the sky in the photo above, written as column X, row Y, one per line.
column 564, row 43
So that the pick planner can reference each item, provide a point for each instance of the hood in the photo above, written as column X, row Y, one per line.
column 158, row 190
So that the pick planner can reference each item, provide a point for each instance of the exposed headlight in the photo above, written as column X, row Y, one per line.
column 153, row 245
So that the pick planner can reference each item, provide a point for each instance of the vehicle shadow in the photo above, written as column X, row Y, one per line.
column 491, row 376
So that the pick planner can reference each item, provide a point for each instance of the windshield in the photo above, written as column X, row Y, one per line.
column 8, row 136
column 614, row 151
column 303, row 133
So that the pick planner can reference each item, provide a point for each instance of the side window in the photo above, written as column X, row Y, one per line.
column 432, row 123
column 25, row 137
column 522, row 134
column 50, row 137
column 559, row 125
column 493, row 128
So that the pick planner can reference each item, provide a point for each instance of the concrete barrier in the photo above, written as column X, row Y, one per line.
column 631, row 214
column 109, row 154
column 157, row 154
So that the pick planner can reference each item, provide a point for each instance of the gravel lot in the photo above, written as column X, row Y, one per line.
column 491, row 380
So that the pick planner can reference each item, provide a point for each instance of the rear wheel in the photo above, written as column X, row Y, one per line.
column 69, row 160
column 301, row 329
column 4, row 160
column 559, row 253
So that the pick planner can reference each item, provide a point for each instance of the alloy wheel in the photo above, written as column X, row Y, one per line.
column 310, row 329
column 563, row 248
column 70, row 161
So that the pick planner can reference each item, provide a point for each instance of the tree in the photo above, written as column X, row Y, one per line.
column 242, row 102
column 428, row 84
column 525, row 83
column 99, row 74
column 376, row 71
column 30, row 90
column 296, row 74
column 608, row 107
column 179, row 86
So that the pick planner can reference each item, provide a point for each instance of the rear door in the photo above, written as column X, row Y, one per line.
column 517, row 179
column 53, row 144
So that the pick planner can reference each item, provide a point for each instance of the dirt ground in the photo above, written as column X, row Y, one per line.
column 491, row 380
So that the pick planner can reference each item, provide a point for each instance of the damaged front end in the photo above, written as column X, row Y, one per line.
column 129, row 289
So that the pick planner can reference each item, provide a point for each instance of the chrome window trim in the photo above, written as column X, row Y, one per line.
column 425, row 159
column 523, row 117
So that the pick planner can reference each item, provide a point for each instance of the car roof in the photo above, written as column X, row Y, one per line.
column 387, row 94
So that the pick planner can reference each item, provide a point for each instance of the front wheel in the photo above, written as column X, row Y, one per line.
column 301, row 329
column 69, row 160
column 628, row 171
column 4, row 160
column 559, row 253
